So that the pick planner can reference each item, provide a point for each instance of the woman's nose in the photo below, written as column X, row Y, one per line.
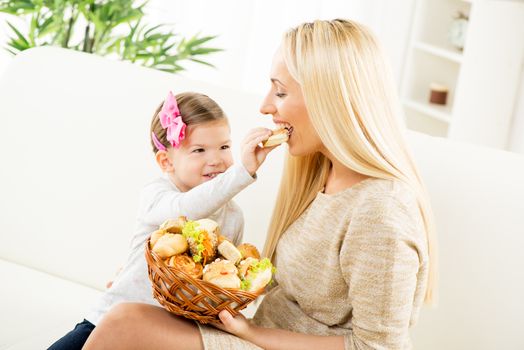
column 267, row 109
column 267, row 106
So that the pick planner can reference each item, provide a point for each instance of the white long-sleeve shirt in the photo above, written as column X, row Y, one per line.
column 161, row 200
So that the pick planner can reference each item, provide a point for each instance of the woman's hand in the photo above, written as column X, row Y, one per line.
column 237, row 325
column 252, row 155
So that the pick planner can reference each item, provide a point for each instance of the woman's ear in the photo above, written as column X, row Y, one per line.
column 163, row 161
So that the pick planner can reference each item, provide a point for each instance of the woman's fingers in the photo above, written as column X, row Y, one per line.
column 237, row 325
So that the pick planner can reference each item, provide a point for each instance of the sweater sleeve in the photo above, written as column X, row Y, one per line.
column 380, row 258
column 199, row 202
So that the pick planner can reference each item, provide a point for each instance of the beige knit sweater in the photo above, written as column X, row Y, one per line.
column 354, row 263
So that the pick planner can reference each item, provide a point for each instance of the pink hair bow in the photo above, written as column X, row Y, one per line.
column 171, row 120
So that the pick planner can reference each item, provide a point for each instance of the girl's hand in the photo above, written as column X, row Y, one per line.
column 237, row 325
column 252, row 155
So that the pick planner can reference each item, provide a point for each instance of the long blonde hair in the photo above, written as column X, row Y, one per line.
column 352, row 104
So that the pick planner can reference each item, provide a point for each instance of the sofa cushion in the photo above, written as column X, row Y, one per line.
column 37, row 308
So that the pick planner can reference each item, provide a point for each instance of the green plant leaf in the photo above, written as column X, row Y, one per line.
column 17, row 7
column 53, row 22
column 21, row 38
column 202, row 62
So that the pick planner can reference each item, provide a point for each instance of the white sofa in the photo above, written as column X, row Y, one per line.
column 75, row 153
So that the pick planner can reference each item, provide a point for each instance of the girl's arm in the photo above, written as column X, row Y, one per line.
column 205, row 199
column 202, row 200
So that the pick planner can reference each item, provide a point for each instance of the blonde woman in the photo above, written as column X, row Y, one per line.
column 351, row 233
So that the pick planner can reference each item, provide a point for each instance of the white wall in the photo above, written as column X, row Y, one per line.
column 250, row 31
column 4, row 55
column 251, row 39
column 516, row 137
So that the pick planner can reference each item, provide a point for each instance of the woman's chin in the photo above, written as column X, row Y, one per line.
column 299, row 151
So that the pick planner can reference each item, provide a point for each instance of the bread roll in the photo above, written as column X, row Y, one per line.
column 229, row 251
column 248, row 250
column 170, row 244
column 202, row 236
column 222, row 238
column 155, row 236
column 260, row 280
column 245, row 265
column 255, row 274
column 174, row 225
column 209, row 225
column 186, row 264
column 222, row 273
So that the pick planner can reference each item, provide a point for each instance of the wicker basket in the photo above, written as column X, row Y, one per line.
column 183, row 295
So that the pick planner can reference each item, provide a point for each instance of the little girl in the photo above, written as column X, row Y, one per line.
column 190, row 136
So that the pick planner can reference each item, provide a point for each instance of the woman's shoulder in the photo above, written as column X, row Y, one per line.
column 391, row 205
column 386, row 189
column 385, row 197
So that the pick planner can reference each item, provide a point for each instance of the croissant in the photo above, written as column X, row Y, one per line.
column 186, row 264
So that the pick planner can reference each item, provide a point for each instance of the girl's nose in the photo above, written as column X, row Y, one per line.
column 214, row 160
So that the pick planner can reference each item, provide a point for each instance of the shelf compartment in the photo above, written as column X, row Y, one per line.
column 435, row 21
column 441, row 113
column 426, row 69
column 452, row 55
column 423, row 123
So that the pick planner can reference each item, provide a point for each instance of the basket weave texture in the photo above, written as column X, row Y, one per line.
column 183, row 295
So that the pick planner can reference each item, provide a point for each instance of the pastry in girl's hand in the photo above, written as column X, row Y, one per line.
column 255, row 274
column 277, row 137
column 170, row 244
column 248, row 250
column 174, row 225
column 202, row 236
column 229, row 251
column 186, row 264
column 222, row 273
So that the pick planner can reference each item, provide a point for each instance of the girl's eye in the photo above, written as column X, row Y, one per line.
column 225, row 147
column 198, row 150
column 280, row 94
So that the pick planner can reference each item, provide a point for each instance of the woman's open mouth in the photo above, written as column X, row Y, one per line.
column 286, row 126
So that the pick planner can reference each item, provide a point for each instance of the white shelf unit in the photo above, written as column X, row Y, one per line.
column 482, row 78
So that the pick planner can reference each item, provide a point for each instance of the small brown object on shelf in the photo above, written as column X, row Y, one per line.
column 438, row 94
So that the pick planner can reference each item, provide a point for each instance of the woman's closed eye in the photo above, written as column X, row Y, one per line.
column 280, row 94
column 198, row 150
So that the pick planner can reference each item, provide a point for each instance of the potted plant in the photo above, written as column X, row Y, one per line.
column 103, row 27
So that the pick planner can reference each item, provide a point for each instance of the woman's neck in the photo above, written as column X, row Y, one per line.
column 340, row 177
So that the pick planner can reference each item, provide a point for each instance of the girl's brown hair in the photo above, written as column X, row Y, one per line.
column 194, row 108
